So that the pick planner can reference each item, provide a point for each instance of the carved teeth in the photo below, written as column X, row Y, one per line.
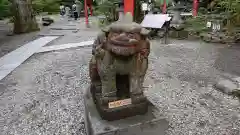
column 132, row 40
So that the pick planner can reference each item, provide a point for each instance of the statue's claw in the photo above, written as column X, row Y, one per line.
column 105, row 100
column 137, row 98
column 109, row 97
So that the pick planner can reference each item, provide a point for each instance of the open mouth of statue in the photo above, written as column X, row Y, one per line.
column 123, row 43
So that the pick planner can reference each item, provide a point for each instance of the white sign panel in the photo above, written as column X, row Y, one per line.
column 155, row 20
column 144, row 6
column 120, row 103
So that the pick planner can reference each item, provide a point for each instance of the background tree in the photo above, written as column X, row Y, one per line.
column 231, row 10
column 50, row 6
column 23, row 16
column 108, row 9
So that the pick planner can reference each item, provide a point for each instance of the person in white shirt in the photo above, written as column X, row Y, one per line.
column 67, row 11
column 62, row 9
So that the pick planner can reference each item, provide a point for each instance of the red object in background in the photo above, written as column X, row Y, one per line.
column 164, row 9
column 89, row 2
column 89, row 5
column 91, row 10
column 195, row 7
column 86, row 13
column 129, row 6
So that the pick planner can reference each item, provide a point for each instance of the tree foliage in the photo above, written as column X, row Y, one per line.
column 39, row 6
column 108, row 9
column 232, row 7
column 46, row 5
column 4, row 8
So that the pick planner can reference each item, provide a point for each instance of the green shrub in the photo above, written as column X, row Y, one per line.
column 50, row 6
column 4, row 9
column 108, row 9
column 197, row 24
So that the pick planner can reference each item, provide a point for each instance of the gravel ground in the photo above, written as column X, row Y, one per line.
column 183, row 77
column 44, row 94
column 45, row 99
column 229, row 60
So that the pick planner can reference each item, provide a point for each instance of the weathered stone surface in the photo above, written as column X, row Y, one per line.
column 118, row 67
column 48, row 19
column 135, row 108
column 226, row 86
column 137, row 125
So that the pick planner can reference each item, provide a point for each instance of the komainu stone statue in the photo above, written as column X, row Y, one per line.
column 117, row 70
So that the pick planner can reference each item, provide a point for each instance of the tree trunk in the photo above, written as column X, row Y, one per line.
column 138, row 14
column 24, row 18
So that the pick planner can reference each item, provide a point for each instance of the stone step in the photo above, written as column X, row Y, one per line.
column 229, row 85
column 65, row 46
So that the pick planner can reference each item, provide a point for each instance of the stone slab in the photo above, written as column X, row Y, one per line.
column 64, row 28
column 227, row 86
column 42, row 34
column 137, row 125
column 65, row 46
column 13, row 59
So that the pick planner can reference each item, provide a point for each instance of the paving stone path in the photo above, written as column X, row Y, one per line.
column 15, row 58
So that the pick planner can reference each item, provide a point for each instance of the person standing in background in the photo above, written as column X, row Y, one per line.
column 79, row 7
column 75, row 12
column 62, row 9
column 67, row 11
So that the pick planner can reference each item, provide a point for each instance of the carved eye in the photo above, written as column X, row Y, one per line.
column 115, row 34
column 131, row 35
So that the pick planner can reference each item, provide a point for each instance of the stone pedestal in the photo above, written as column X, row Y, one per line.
column 147, row 124
column 137, row 107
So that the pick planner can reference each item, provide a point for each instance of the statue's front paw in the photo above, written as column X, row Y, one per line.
column 106, row 100
column 109, row 97
column 138, row 98
column 100, row 53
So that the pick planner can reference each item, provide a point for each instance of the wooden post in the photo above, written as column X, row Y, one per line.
column 195, row 7
column 86, row 13
column 91, row 10
column 164, row 9
column 129, row 6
